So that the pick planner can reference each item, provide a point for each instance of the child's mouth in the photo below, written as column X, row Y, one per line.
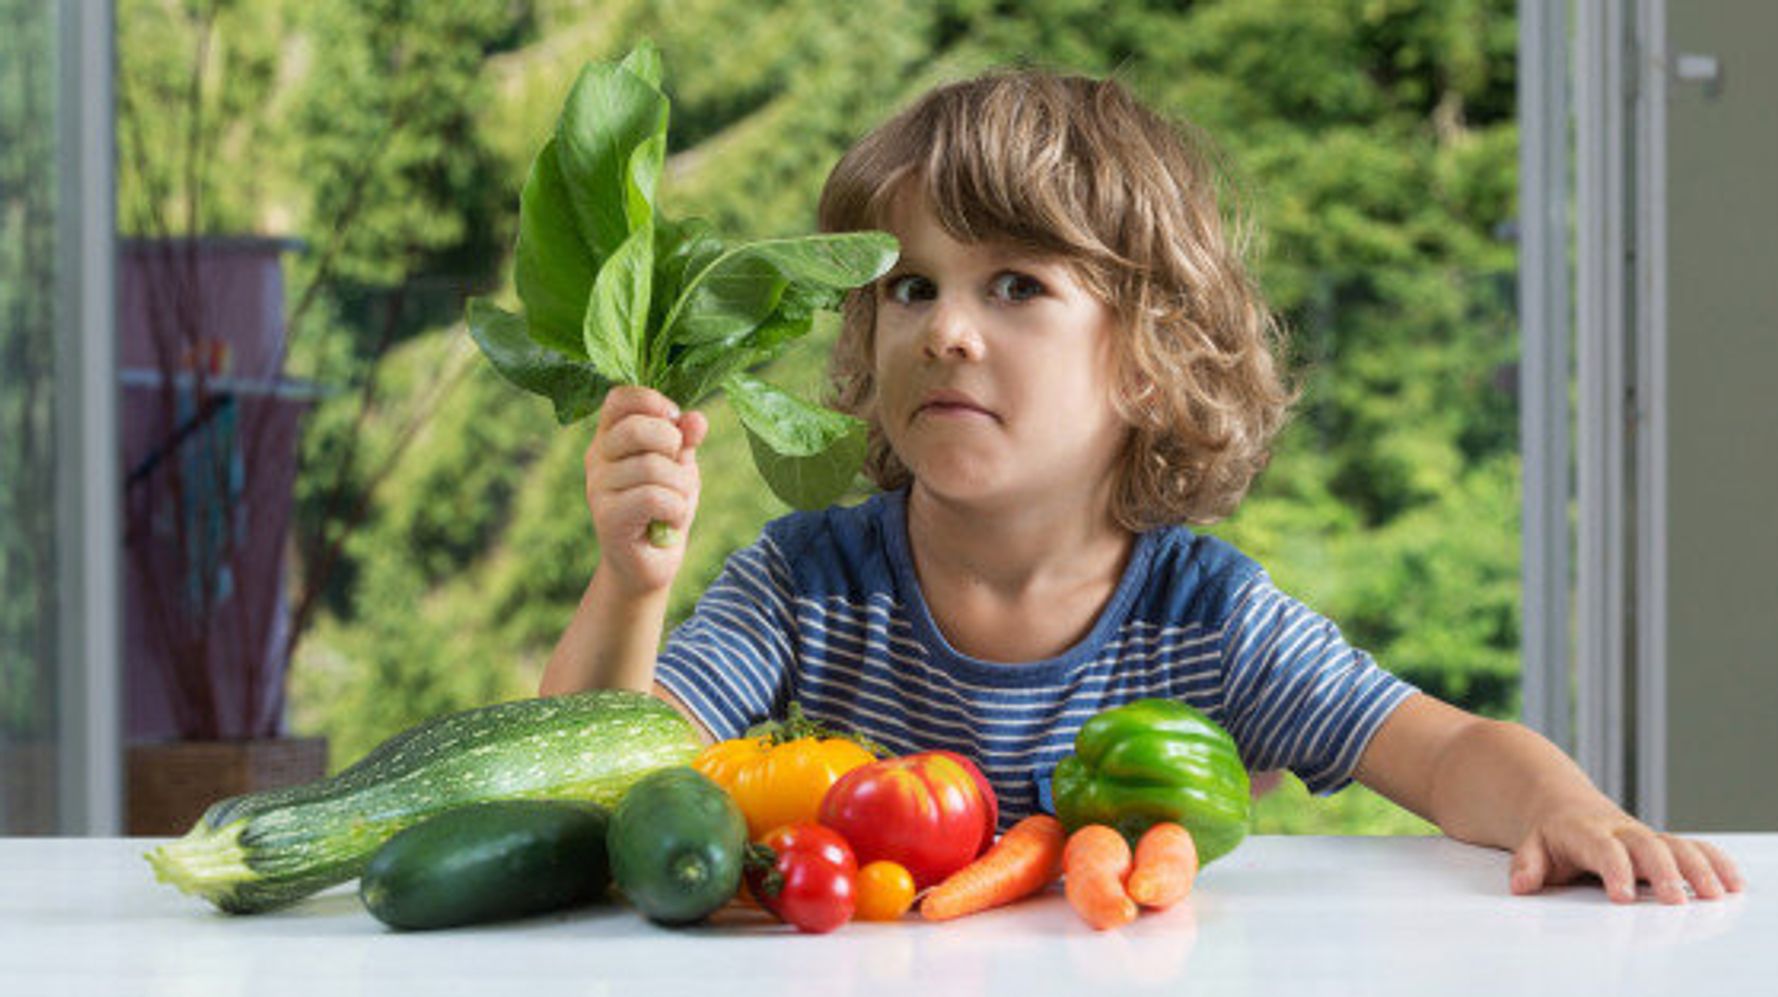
column 953, row 410
column 949, row 403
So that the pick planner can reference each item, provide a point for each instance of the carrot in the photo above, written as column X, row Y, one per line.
column 1166, row 865
column 1095, row 864
column 1027, row 858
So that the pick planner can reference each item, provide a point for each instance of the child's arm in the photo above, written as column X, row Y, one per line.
column 640, row 468
column 1494, row 783
column 610, row 643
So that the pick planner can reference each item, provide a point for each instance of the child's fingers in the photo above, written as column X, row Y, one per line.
column 640, row 433
column 641, row 507
column 1611, row 861
column 1724, row 866
column 1695, row 866
column 693, row 427
column 647, row 469
column 1654, row 862
column 626, row 400
column 1529, row 867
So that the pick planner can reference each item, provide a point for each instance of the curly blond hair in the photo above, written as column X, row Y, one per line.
column 1079, row 169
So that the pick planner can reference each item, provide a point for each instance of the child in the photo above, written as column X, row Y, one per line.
column 1068, row 361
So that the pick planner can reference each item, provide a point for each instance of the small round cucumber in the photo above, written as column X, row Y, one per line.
column 489, row 861
column 676, row 844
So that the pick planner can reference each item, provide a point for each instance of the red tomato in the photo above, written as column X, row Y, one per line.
column 805, row 875
column 932, row 812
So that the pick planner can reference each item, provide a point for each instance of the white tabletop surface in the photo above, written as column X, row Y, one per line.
column 1278, row 916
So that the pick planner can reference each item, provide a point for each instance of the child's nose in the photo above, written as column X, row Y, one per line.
column 952, row 333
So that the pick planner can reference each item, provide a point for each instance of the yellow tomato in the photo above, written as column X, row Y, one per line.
column 777, row 783
column 885, row 891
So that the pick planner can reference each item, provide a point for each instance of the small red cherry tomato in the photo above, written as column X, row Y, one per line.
column 805, row 875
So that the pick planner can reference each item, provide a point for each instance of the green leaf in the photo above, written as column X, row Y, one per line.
column 694, row 372
column 610, row 115
column 617, row 314
column 575, row 387
column 807, row 454
column 740, row 288
column 679, row 248
column 553, row 267
column 645, row 61
column 643, row 178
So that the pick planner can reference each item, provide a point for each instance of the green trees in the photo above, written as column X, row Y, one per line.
column 1379, row 142
column 1371, row 140
column 29, row 197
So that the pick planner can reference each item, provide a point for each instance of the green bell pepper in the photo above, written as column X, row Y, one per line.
column 1155, row 760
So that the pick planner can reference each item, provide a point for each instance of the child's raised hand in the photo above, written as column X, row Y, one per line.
column 1597, row 837
column 642, row 469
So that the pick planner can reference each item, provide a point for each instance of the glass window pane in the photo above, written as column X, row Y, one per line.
column 28, row 255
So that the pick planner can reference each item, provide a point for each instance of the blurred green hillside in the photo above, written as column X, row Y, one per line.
column 1372, row 141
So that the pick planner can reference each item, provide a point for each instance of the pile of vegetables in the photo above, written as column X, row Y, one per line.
column 1153, row 790
column 544, row 804
column 840, row 833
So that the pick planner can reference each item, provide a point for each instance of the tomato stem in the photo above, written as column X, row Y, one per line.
column 762, row 860
column 797, row 724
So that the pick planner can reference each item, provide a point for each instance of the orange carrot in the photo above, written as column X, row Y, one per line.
column 1166, row 865
column 1027, row 858
column 1095, row 864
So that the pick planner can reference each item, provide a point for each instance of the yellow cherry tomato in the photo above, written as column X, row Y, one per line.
column 779, row 783
column 885, row 891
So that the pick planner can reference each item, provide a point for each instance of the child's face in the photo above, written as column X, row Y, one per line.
column 994, row 370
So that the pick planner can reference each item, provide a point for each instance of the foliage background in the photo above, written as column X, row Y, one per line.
column 29, row 193
column 1372, row 141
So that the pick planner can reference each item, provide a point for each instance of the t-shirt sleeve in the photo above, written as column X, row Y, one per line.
column 729, row 662
column 1295, row 694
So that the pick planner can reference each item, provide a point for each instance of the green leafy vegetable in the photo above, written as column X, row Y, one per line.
column 615, row 292
column 617, row 320
column 575, row 386
column 804, row 451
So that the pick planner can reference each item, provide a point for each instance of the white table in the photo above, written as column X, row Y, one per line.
column 1278, row 916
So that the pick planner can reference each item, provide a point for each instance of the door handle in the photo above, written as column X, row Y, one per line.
column 1694, row 67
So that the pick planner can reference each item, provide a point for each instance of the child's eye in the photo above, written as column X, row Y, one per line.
column 908, row 288
column 1016, row 287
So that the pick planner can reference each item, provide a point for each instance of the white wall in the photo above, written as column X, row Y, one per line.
column 1721, row 407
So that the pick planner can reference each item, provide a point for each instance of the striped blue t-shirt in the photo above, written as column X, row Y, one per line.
column 825, row 609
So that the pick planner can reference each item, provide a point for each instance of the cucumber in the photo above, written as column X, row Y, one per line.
column 265, row 850
column 676, row 844
column 489, row 862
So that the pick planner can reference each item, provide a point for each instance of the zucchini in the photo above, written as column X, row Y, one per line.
column 489, row 862
column 676, row 844
column 264, row 850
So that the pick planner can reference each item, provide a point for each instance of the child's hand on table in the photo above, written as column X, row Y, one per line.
column 1490, row 782
column 1579, row 837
